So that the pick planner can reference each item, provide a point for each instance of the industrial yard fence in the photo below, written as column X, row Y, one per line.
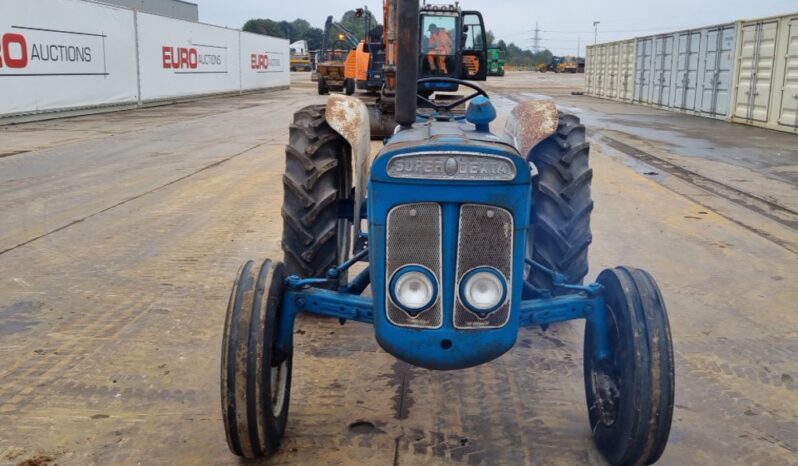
column 746, row 71
column 71, row 55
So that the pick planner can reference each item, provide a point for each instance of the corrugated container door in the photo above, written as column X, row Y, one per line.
column 663, row 71
column 719, row 49
column 755, row 70
column 627, row 70
column 687, row 70
column 601, row 71
column 788, row 109
column 643, row 65
column 613, row 63
column 589, row 66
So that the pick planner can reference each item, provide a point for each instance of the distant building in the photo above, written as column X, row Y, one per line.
column 170, row 8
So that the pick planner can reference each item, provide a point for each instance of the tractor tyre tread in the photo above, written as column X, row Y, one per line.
column 312, row 184
column 562, row 204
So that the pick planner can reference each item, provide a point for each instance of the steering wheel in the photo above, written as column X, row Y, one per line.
column 445, row 108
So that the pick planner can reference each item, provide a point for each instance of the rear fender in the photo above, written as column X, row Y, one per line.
column 349, row 117
column 532, row 121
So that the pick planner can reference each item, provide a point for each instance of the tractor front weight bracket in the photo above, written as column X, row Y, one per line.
column 588, row 305
column 321, row 302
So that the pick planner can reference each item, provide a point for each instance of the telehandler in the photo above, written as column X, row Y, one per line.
column 469, row 236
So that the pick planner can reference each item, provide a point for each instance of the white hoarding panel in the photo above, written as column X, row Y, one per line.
column 65, row 54
column 182, row 59
column 264, row 62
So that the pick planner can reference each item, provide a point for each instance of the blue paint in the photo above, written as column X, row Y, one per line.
column 481, row 113
column 446, row 347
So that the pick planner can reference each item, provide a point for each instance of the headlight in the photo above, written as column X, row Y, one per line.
column 413, row 288
column 483, row 290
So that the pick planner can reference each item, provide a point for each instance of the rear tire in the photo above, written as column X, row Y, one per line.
column 562, row 204
column 317, row 178
column 322, row 86
column 630, row 396
column 255, row 380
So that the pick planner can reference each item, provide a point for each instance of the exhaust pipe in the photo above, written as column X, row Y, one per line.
column 407, row 62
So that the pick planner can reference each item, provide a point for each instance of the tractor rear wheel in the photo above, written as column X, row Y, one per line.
column 560, row 236
column 630, row 395
column 317, row 179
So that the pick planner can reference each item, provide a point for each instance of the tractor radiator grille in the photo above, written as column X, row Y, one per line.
column 414, row 238
column 485, row 240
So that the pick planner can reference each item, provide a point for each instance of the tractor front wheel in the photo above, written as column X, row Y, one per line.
column 562, row 204
column 255, row 378
column 349, row 86
column 630, row 394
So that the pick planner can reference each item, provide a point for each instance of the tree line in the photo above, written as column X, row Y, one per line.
column 301, row 29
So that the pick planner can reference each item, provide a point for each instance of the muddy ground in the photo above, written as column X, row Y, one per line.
column 120, row 235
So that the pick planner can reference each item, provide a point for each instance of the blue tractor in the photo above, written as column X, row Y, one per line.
column 464, row 236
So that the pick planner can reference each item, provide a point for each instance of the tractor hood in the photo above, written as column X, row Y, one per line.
column 458, row 133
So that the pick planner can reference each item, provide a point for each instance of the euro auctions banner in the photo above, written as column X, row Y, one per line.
column 181, row 58
column 60, row 54
column 264, row 62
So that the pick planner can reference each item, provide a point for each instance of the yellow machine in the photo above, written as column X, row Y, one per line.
column 300, row 57
column 571, row 64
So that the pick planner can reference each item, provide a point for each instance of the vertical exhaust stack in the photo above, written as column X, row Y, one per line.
column 407, row 62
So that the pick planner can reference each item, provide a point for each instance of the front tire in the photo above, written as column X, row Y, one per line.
column 562, row 204
column 349, row 86
column 317, row 178
column 255, row 379
column 630, row 396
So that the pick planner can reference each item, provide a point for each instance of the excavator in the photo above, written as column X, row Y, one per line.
column 452, row 46
column 334, row 59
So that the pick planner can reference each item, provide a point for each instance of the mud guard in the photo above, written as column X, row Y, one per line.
column 349, row 117
column 532, row 121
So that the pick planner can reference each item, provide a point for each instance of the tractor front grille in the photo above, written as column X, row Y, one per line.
column 485, row 239
column 414, row 238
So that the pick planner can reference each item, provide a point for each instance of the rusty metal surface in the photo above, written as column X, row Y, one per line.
column 120, row 236
column 531, row 121
column 349, row 117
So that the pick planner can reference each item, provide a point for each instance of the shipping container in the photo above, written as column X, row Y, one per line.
column 766, row 78
column 746, row 72
column 600, row 57
column 716, row 71
column 686, row 71
column 643, row 70
column 626, row 70
column 590, row 70
column 610, row 70
column 663, row 71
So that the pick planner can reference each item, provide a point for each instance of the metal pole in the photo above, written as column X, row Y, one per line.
column 595, row 36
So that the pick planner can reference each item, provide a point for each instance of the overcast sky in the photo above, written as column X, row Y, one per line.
column 563, row 23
